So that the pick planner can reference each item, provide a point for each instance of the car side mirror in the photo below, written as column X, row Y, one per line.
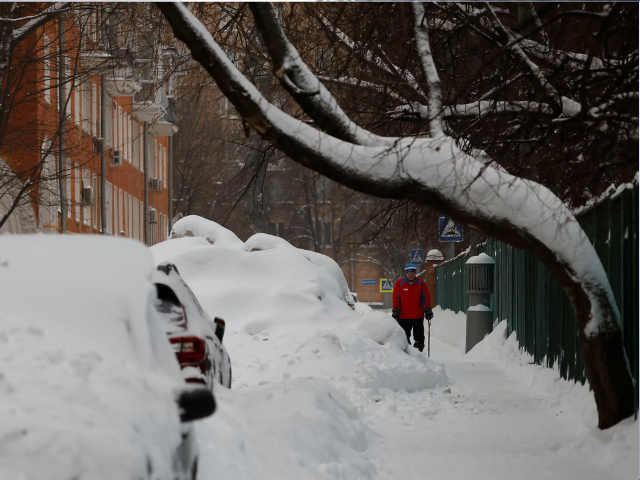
column 195, row 404
column 220, row 327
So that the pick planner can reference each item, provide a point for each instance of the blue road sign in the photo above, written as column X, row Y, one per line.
column 371, row 281
column 386, row 285
column 416, row 257
column 449, row 230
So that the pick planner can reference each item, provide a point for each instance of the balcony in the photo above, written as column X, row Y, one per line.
column 122, row 87
column 162, row 128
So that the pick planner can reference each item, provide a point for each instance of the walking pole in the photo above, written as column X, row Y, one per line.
column 429, row 339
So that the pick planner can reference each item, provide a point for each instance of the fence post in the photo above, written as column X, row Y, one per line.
column 479, row 279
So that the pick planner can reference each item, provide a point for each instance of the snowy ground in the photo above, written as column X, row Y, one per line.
column 321, row 392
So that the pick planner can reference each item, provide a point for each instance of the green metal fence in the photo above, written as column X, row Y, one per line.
column 535, row 306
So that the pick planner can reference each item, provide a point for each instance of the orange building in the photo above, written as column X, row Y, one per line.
column 110, row 107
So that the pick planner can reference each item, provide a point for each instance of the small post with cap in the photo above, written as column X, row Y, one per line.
column 479, row 279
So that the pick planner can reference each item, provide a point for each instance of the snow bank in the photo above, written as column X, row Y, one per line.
column 362, row 308
column 382, row 329
column 300, row 355
column 617, row 447
column 450, row 327
column 195, row 226
column 298, row 428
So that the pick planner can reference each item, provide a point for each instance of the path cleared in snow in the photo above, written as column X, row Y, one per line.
column 498, row 418
column 489, row 426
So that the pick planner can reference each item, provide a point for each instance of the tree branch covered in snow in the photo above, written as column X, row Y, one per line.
column 304, row 86
column 436, row 172
column 421, row 34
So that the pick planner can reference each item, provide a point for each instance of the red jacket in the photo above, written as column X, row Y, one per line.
column 411, row 298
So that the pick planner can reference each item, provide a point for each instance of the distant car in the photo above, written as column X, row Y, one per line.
column 90, row 387
column 195, row 337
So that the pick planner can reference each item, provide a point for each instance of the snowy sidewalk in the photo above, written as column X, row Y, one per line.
column 323, row 393
column 490, row 426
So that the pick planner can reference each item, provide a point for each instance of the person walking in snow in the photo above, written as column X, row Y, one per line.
column 411, row 303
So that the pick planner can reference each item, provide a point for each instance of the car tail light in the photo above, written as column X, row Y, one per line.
column 196, row 380
column 189, row 350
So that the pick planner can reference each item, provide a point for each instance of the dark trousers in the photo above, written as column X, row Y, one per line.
column 417, row 324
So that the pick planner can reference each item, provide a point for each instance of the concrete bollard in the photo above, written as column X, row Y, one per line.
column 480, row 270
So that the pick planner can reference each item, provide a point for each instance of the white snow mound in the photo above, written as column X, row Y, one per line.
column 299, row 356
column 196, row 226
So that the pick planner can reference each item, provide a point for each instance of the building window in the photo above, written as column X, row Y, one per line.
column 94, row 109
column 108, row 107
column 86, row 105
column 77, row 98
column 68, row 186
column 86, row 211
column 277, row 229
column 94, row 207
column 121, row 210
column 324, row 233
column 76, row 175
column 136, row 218
column 136, row 144
column 130, row 217
column 164, row 167
column 109, row 198
column 46, row 83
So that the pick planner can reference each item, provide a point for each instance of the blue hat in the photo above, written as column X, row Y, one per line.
column 410, row 268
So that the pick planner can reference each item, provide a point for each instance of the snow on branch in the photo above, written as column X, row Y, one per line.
column 354, row 82
column 374, row 60
column 559, row 104
column 303, row 85
column 421, row 33
column 21, row 33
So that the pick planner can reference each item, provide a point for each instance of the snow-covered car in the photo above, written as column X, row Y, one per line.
column 89, row 385
column 352, row 299
column 196, row 338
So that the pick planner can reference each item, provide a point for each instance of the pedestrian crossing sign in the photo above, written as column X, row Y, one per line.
column 386, row 285
column 449, row 230
column 416, row 257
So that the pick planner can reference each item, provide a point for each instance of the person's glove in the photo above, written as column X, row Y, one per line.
column 428, row 313
column 395, row 313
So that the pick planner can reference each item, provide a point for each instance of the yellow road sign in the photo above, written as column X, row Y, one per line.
column 386, row 285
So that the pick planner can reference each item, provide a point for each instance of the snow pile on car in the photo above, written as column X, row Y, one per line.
column 288, row 320
column 87, row 382
column 195, row 226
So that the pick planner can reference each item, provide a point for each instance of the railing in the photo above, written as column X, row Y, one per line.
column 535, row 306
